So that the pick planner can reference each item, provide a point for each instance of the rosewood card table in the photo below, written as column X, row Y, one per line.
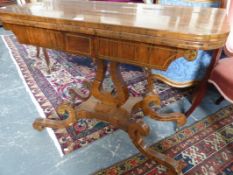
column 150, row 36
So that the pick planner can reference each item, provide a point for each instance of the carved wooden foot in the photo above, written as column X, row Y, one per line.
column 39, row 124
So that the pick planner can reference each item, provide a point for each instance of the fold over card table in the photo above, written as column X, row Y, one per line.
column 150, row 36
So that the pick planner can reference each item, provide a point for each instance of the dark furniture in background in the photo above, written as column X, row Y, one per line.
column 7, row 2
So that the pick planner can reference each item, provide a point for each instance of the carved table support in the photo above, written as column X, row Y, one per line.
column 152, row 97
column 118, row 109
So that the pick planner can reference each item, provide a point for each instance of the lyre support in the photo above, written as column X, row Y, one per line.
column 118, row 110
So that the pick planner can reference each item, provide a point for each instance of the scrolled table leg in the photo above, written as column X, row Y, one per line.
column 40, row 123
column 137, row 131
column 152, row 97
column 177, row 117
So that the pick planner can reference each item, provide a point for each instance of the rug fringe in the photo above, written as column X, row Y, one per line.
column 39, row 109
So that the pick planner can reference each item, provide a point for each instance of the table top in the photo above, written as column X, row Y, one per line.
column 171, row 23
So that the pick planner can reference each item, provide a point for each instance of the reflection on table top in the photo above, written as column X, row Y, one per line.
column 153, row 20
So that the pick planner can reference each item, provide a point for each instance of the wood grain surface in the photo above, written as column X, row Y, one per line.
column 182, row 27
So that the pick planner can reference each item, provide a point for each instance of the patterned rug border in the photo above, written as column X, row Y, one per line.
column 208, row 120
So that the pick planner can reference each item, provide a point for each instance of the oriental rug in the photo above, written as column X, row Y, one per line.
column 69, row 71
column 205, row 148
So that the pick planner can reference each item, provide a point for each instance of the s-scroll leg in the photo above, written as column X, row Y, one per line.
column 136, row 132
column 152, row 98
column 40, row 123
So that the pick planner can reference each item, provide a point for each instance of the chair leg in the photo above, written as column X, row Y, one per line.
column 219, row 100
column 47, row 59
column 37, row 52
column 203, row 86
column 198, row 98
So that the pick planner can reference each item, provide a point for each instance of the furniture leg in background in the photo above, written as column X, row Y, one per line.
column 46, row 57
column 44, row 51
column 201, row 91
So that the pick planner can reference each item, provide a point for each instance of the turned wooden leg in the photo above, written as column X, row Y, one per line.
column 37, row 52
column 47, row 59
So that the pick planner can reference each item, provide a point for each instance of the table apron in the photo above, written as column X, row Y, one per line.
column 123, row 51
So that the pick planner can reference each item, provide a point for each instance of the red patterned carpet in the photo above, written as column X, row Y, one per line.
column 205, row 148
column 68, row 71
